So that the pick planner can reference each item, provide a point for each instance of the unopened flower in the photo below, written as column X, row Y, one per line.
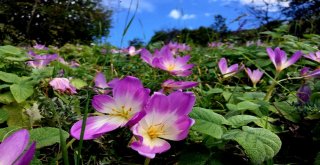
column 254, row 75
column 313, row 56
column 304, row 94
column 16, row 150
column 166, row 118
column 63, row 85
column 124, row 108
column 279, row 58
column 170, row 85
column 228, row 71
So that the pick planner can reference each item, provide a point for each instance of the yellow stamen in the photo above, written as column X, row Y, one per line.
column 155, row 131
column 123, row 112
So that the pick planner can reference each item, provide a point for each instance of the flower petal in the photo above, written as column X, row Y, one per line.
column 223, row 66
column 103, row 103
column 181, row 102
column 27, row 156
column 100, row 80
column 13, row 146
column 294, row 58
column 96, row 126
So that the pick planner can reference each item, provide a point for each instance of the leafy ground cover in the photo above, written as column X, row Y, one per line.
column 164, row 104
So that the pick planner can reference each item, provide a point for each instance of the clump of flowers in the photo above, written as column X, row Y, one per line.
column 63, row 85
column 124, row 108
column 176, row 47
column 40, row 61
column 166, row 118
column 15, row 149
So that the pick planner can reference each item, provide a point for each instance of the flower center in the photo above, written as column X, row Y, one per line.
column 155, row 131
column 171, row 67
column 122, row 112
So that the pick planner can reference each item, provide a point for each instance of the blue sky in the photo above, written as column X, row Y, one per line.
column 155, row 15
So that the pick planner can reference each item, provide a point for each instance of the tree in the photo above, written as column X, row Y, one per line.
column 219, row 24
column 53, row 21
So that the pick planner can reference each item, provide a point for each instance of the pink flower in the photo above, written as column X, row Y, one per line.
column 313, row 56
column 228, row 71
column 279, row 58
column 166, row 118
column 254, row 76
column 63, row 85
column 177, row 47
column 170, row 85
column 41, row 61
column 132, row 51
column 40, row 47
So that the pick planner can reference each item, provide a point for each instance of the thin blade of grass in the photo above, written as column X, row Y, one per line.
column 127, row 25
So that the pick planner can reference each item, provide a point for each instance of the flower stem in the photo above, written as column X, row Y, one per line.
column 271, row 87
column 146, row 161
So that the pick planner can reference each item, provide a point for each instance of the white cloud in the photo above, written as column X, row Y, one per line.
column 143, row 5
column 175, row 14
column 188, row 16
column 262, row 2
column 208, row 14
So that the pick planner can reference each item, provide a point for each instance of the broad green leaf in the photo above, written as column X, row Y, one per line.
column 21, row 91
column 254, row 95
column 258, row 143
column 3, row 116
column 42, row 73
column 264, row 122
column 9, row 77
column 78, row 83
column 215, row 90
column 241, row 120
column 47, row 136
column 232, row 107
column 2, row 86
column 6, row 98
column 247, row 105
column 208, row 122
column 8, row 49
column 16, row 116
column 5, row 132
column 16, row 58
column 287, row 111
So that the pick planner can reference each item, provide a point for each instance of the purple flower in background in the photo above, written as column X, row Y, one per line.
column 254, row 75
column 304, row 94
column 307, row 74
column 40, row 47
column 40, row 61
column 124, row 108
column 63, row 85
column 166, row 118
column 132, row 51
column 174, row 65
column 215, row 44
column 177, row 47
column 279, row 58
column 14, row 150
column 101, row 84
column 170, row 85
column 313, row 56
column 228, row 71
column 147, row 57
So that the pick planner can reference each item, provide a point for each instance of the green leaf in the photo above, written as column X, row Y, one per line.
column 78, row 83
column 208, row 122
column 16, row 116
column 9, row 77
column 289, row 112
column 3, row 116
column 247, row 105
column 6, row 98
column 241, row 120
column 22, row 90
column 47, row 136
column 8, row 49
column 215, row 91
column 5, row 132
column 258, row 143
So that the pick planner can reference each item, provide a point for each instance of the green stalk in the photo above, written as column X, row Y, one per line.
column 63, row 147
column 146, row 161
column 271, row 87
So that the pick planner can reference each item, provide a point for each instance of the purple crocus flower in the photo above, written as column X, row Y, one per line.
column 101, row 84
column 63, row 85
column 166, row 118
column 124, row 108
column 254, row 75
column 304, row 94
column 279, row 58
column 177, row 47
column 307, row 74
column 151, row 59
column 228, row 71
column 174, row 65
column 132, row 51
column 40, row 61
column 313, row 56
column 15, row 149
column 170, row 85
